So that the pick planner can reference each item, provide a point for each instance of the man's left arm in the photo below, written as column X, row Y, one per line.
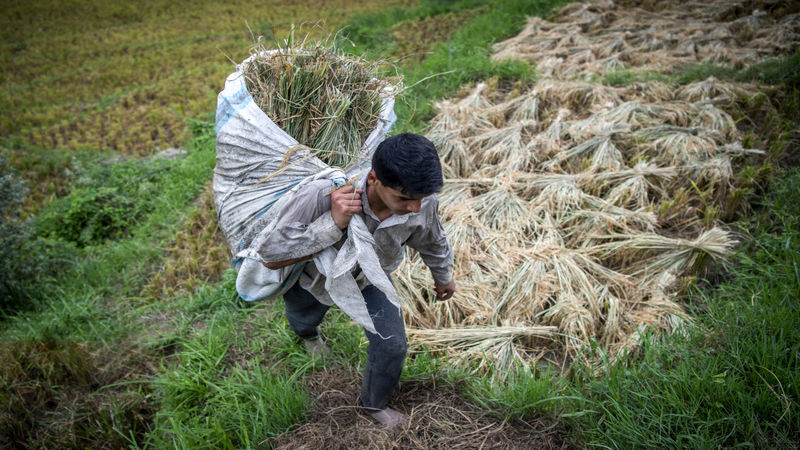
column 435, row 250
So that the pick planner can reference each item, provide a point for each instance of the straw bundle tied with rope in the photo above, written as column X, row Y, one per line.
column 576, row 210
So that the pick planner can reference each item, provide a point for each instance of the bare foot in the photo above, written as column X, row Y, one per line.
column 389, row 417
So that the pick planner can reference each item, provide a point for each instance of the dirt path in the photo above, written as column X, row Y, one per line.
column 440, row 419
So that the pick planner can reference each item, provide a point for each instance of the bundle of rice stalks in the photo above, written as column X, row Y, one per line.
column 467, row 231
column 650, row 92
column 677, row 146
column 552, row 138
column 655, row 254
column 487, row 344
column 633, row 193
column 708, row 89
column 708, row 116
column 503, row 144
column 502, row 210
column 325, row 99
column 453, row 121
column 604, row 155
column 575, row 95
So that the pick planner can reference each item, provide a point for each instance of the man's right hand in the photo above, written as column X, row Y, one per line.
column 345, row 202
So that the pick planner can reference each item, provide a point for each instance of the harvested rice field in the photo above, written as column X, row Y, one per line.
column 596, row 37
column 126, row 78
column 580, row 212
column 620, row 191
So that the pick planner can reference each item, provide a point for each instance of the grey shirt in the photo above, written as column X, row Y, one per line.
column 306, row 226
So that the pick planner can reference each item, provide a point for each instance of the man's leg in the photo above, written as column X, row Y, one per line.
column 303, row 312
column 384, row 356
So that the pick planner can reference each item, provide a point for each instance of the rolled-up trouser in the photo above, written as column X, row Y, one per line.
column 385, row 355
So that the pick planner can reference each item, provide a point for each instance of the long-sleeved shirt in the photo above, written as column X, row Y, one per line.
column 306, row 226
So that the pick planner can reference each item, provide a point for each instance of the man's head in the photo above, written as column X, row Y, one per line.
column 405, row 169
column 409, row 163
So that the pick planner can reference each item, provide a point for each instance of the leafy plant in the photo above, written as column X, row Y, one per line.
column 104, row 204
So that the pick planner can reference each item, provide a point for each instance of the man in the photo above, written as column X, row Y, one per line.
column 397, row 202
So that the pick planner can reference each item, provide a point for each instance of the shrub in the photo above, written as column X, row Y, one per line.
column 104, row 204
column 26, row 260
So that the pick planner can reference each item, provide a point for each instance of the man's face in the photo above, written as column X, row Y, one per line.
column 395, row 200
column 398, row 202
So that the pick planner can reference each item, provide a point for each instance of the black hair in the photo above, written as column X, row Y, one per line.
column 408, row 162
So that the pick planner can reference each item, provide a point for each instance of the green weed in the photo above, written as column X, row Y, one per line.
column 625, row 77
column 241, row 410
column 109, row 201
column 47, row 173
column 783, row 71
column 51, row 388
column 26, row 260
column 221, row 392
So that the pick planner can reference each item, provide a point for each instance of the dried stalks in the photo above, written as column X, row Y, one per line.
column 325, row 99
column 605, row 36
column 575, row 217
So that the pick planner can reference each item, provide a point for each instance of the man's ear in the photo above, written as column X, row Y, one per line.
column 372, row 178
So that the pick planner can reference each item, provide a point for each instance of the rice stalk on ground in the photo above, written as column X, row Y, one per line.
column 581, row 206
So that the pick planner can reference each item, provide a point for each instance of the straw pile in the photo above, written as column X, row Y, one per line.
column 603, row 36
column 576, row 212
column 323, row 98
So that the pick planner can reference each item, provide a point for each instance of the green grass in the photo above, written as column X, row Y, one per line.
column 218, row 393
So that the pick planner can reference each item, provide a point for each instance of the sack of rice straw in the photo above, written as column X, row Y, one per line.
column 284, row 118
column 288, row 114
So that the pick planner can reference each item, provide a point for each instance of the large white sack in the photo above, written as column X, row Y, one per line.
column 253, row 180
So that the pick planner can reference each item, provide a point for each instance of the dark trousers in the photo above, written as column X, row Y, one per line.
column 384, row 356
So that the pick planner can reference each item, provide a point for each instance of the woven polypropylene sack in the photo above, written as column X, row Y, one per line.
column 258, row 168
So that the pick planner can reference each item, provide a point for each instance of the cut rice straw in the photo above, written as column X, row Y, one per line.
column 575, row 209
column 325, row 99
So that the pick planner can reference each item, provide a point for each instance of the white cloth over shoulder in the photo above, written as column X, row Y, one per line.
column 259, row 167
